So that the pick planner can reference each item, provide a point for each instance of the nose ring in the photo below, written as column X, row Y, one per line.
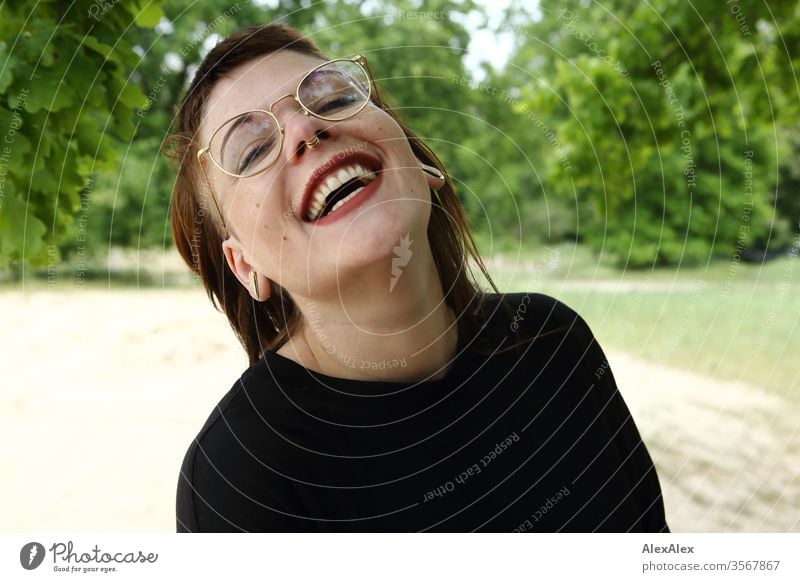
column 313, row 142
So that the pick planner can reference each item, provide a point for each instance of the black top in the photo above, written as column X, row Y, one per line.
column 533, row 439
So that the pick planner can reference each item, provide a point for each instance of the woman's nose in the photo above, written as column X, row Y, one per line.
column 300, row 129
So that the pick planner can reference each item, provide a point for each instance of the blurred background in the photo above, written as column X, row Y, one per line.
column 639, row 161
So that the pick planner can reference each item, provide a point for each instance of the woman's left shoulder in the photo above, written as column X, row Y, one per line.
column 535, row 311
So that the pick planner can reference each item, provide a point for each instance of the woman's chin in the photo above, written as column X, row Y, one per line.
column 372, row 232
column 369, row 247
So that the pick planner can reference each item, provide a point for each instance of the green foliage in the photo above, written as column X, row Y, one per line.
column 667, row 114
column 130, row 206
column 787, row 199
column 173, row 49
column 126, row 208
column 65, row 98
column 580, row 137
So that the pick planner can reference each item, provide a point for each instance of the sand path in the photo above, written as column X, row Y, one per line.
column 102, row 392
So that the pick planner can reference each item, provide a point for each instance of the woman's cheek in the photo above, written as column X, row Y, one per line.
column 389, row 128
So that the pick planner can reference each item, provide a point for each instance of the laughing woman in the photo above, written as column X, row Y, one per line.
column 386, row 391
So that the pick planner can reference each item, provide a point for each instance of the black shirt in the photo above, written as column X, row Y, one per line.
column 533, row 439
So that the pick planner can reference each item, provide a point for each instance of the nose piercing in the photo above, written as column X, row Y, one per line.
column 313, row 142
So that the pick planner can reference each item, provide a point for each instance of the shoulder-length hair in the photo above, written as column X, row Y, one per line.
column 267, row 325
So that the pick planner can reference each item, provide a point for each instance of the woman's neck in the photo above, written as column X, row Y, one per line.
column 391, row 324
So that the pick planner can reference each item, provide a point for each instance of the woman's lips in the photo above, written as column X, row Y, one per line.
column 338, row 160
column 352, row 204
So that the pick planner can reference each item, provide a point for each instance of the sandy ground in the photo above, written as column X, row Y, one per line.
column 102, row 392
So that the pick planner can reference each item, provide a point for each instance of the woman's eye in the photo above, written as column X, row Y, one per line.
column 254, row 155
column 337, row 103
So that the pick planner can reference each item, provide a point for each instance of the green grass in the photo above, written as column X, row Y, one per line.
column 730, row 321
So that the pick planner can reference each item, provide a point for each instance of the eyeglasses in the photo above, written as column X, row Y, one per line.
column 250, row 142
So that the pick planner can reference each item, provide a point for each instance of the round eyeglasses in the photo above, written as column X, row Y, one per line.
column 251, row 142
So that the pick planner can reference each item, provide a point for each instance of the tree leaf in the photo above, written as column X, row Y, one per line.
column 107, row 51
column 148, row 16
column 6, row 73
column 21, row 232
column 51, row 94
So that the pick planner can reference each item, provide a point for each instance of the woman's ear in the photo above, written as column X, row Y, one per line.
column 257, row 285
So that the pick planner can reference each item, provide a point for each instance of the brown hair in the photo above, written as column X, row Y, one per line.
column 267, row 325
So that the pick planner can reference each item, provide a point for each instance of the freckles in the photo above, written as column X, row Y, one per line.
column 387, row 128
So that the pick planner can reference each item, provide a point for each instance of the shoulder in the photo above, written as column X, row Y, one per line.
column 538, row 301
column 210, row 432
column 195, row 463
column 236, row 474
column 210, row 480
column 234, row 411
column 530, row 314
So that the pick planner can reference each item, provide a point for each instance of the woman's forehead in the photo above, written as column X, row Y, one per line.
column 255, row 84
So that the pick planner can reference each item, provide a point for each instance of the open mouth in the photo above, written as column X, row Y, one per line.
column 342, row 184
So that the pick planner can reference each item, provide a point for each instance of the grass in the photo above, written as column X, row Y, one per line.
column 728, row 320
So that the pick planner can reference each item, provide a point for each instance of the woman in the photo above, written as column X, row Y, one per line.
column 386, row 391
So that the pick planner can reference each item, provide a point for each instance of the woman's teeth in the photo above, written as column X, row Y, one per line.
column 333, row 183
column 345, row 199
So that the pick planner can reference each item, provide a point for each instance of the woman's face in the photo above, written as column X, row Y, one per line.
column 265, row 213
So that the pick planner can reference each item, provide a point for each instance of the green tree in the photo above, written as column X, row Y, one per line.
column 65, row 99
column 664, row 118
column 129, row 206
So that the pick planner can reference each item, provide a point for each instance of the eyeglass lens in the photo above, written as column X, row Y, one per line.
column 250, row 142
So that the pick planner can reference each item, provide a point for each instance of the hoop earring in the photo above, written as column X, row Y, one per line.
column 256, row 290
column 433, row 171
column 436, row 173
